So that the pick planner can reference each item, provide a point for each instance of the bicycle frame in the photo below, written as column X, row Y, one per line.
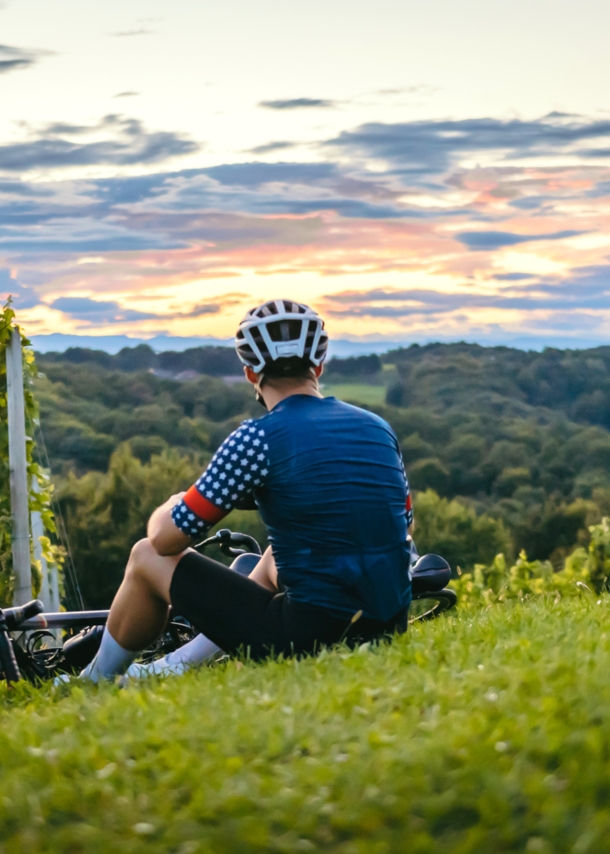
column 64, row 620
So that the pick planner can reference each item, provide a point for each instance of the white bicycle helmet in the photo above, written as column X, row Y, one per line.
column 281, row 330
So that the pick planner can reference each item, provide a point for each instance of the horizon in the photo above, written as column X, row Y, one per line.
column 338, row 348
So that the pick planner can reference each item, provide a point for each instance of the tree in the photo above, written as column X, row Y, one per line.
column 453, row 530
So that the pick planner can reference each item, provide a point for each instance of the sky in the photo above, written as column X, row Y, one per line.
column 415, row 172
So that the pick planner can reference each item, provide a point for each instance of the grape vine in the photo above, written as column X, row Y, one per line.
column 40, row 498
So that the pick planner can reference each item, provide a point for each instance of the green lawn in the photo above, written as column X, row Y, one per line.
column 371, row 395
column 485, row 732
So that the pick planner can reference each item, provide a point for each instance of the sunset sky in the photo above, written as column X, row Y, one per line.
column 415, row 171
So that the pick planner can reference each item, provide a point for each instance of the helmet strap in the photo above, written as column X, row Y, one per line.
column 257, row 393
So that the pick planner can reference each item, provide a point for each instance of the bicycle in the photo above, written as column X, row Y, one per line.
column 27, row 633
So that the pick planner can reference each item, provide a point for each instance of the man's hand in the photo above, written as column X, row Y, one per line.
column 164, row 536
column 174, row 499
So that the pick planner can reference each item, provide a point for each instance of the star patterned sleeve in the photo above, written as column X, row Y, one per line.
column 238, row 468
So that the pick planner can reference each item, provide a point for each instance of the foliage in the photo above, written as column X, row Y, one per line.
column 585, row 570
column 453, row 530
column 87, row 411
column 485, row 732
column 39, row 498
column 215, row 361
column 106, row 514
column 576, row 382
column 354, row 366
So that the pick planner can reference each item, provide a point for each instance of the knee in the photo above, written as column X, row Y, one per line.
column 140, row 559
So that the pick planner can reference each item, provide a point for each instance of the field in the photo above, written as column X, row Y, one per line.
column 368, row 394
column 484, row 732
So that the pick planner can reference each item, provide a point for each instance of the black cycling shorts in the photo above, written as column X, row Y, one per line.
column 240, row 616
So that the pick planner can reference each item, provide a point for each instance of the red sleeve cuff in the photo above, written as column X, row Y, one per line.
column 207, row 511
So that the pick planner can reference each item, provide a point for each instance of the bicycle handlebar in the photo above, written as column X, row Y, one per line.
column 7, row 656
column 15, row 616
column 229, row 543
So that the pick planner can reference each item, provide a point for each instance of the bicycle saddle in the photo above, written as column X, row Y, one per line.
column 430, row 573
column 244, row 564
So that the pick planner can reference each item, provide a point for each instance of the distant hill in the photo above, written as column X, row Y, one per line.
column 443, row 376
column 57, row 342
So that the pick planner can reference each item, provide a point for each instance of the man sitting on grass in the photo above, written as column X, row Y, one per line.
column 330, row 485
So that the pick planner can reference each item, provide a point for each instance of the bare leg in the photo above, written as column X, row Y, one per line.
column 139, row 612
column 200, row 648
column 265, row 571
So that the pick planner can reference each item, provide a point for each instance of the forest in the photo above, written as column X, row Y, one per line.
column 506, row 450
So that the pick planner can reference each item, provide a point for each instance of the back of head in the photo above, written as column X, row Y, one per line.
column 282, row 339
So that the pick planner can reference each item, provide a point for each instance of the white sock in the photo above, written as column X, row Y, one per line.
column 177, row 662
column 110, row 661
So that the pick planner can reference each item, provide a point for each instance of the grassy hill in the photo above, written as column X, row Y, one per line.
column 484, row 732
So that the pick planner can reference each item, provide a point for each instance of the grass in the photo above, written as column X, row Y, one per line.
column 370, row 395
column 483, row 732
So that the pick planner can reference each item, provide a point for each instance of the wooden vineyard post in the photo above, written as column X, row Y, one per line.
column 20, row 535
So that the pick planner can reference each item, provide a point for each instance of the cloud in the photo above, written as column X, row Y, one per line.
column 587, row 288
column 601, row 189
column 98, row 311
column 442, row 239
column 215, row 307
column 126, row 94
column 264, row 188
column 20, row 188
column 23, row 296
column 201, row 310
column 428, row 147
column 270, row 147
column 15, row 58
column 129, row 33
column 102, row 312
column 408, row 90
column 513, row 277
column 257, row 174
column 298, row 104
column 59, row 146
column 489, row 240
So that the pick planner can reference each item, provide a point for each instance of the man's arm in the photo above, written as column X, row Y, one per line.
column 165, row 537
column 238, row 467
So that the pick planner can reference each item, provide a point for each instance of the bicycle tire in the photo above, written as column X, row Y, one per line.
column 8, row 663
column 444, row 600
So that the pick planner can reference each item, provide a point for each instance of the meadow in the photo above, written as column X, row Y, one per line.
column 484, row 731
column 365, row 394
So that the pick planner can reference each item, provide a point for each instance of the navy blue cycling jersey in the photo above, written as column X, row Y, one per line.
column 330, row 485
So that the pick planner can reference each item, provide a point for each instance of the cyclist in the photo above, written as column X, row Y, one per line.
column 330, row 485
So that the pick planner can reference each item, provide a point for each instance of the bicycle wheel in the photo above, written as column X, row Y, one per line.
column 8, row 664
column 429, row 605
